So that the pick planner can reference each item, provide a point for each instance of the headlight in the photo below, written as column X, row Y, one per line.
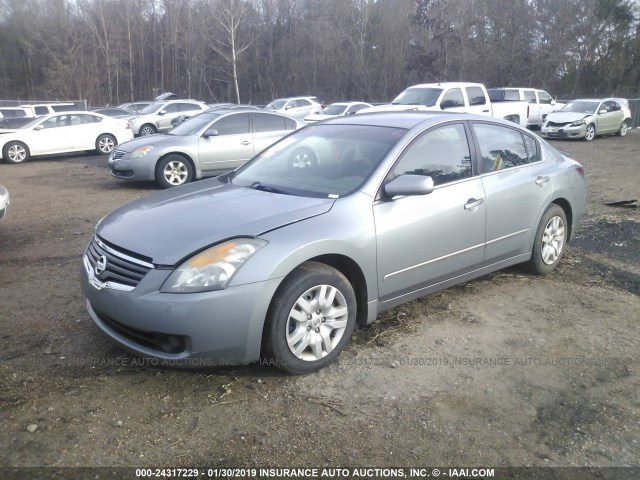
column 577, row 123
column 141, row 152
column 213, row 268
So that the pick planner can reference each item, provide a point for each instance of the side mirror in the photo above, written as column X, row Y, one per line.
column 409, row 185
column 447, row 104
column 553, row 102
column 210, row 132
column 162, row 112
column 38, row 127
column 288, row 107
column 602, row 111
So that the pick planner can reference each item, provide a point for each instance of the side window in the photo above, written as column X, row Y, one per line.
column 476, row 96
column 41, row 111
column 532, row 149
column 57, row 121
column 356, row 108
column 544, row 98
column 263, row 122
column 76, row 119
column 188, row 107
column 442, row 154
column 530, row 96
column 90, row 119
column 512, row 95
column 303, row 103
column 170, row 108
column 500, row 147
column 290, row 124
column 616, row 107
column 233, row 124
column 453, row 98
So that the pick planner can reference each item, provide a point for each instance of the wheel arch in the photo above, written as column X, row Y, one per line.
column 564, row 204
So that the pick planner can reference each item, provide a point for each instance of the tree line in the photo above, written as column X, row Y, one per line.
column 251, row 51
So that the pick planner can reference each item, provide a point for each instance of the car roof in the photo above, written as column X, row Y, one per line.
column 446, row 84
column 408, row 119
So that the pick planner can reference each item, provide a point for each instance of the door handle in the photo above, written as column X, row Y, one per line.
column 541, row 180
column 473, row 203
column 246, row 142
column 486, row 111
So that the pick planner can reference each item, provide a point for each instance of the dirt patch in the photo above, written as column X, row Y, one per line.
column 507, row 370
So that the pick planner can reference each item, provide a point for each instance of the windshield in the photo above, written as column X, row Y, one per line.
column 418, row 96
column 319, row 161
column 193, row 125
column 276, row 105
column 581, row 107
column 153, row 108
column 335, row 109
column 31, row 123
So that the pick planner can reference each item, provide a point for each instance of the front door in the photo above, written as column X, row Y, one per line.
column 424, row 240
column 230, row 148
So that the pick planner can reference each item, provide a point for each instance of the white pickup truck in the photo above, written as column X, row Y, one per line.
column 540, row 102
column 455, row 97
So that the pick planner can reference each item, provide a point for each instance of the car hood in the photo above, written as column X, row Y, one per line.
column 566, row 117
column 157, row 140
column 171, row 225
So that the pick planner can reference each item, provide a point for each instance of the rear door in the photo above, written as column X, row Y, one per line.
column 267, row 128
column 517, row 185
column 426, row 239
column 535, row 116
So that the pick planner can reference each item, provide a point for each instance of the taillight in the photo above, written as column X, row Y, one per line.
column 580, row 169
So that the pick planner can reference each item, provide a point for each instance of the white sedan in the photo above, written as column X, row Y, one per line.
column 64, row 132
column 337, row 110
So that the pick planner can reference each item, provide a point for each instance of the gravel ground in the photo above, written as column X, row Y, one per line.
column 507, row 370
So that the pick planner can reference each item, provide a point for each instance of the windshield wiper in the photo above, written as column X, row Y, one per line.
column 265, row 188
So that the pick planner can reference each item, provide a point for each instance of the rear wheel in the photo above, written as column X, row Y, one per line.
column 590, row 133
column 551, row 238
column 15, row 152
column 310, row 320
column 147, row 129
column 623, row 129
column 173, row 170
column 105, row 144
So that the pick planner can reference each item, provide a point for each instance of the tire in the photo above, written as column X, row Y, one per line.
column 590, row 133
column 550, row 241
column 302, row 158
column 105, row 144
column 623, row 129
column 173, row 170
column 15, row 152
column 304, row 331
column 147, row 129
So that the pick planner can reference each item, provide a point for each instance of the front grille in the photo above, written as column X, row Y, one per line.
column 554, row 124
column 161, row 342
column 115, row 265
column 118, row 154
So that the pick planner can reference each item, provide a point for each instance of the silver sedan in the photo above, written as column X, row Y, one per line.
column 326, row 228
column 208, row 144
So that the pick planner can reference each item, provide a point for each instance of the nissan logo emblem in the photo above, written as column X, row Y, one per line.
column 101, row 265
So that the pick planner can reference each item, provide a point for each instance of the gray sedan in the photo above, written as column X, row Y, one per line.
column 208, row 144
column 328, row 227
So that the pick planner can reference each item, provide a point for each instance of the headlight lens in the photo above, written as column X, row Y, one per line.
column 577, row 123
column 141, row 152
column 212, row 269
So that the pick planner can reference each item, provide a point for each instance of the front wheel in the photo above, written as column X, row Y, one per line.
column 590, row 133
column 105, row 144
column 15, row 152
column 147, row 129
column 310, row 320
column 623, row 129
column 551, row 238
column 302, row 157
column 173, row 170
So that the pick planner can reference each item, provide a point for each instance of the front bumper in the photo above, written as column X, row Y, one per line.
column 564, row 131
column 223, row 327
column 133, row 169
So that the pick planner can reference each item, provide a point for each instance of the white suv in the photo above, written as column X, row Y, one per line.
column 157, row 116
column 296, row 107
